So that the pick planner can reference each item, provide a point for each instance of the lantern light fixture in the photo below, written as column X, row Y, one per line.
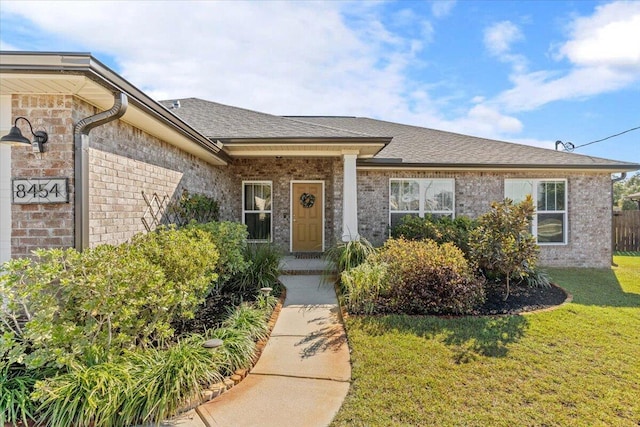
column 15, row 137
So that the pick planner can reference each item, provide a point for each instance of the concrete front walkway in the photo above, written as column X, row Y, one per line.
column 303, row 374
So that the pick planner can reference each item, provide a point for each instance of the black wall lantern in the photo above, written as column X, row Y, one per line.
column 15, row 137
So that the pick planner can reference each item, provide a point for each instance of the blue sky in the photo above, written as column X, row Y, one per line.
column 524, row 71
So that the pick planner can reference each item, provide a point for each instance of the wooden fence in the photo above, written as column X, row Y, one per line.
column 626, row 231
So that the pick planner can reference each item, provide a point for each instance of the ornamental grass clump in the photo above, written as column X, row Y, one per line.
column 347, row 255
column 363, row 285
column 428, row 278
column 16, row 386
column 262, row 271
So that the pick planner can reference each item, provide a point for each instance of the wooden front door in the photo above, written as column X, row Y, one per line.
column 307, row 216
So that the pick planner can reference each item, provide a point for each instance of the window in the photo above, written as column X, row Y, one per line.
column 419, row 197
column 550, row 200
column 256, row 209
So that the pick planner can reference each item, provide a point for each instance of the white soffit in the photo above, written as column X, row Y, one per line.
column 98, row 96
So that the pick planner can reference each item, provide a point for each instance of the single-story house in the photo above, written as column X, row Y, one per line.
column 113, row 156
column 635, row 197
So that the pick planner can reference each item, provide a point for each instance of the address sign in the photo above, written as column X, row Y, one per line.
column 40, row 190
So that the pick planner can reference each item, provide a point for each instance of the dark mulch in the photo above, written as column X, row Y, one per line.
column 215, row 310
column 522, row 298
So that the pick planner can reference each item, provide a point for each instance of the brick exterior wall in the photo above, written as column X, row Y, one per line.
column 124, row 162
column 43, row 225
column 589, row 209
column 281, row 172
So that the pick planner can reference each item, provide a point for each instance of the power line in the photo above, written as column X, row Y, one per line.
column 570, row 146
column 609, row 137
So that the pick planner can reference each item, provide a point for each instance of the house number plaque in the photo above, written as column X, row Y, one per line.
column 40, row 190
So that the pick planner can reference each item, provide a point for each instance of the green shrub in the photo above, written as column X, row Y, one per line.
column 187, row 257
column 230, row 239
column 440, row 230
column 68, row 307
column 192, row 207
column 427, row 278
column 263, row 270
column 347, row 255
column 363, row 285
column 502, row 246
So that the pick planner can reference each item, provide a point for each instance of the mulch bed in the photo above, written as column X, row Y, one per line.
column 521, row 299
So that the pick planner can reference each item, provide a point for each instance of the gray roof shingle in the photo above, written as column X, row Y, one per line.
column 411, row 145
column 418, row 145
column 225, row 122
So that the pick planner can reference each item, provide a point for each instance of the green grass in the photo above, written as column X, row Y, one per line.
column 578, row 365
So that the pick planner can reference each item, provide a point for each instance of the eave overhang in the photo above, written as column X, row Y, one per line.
column 365, row 147
column 397, row 164
column 81, row 75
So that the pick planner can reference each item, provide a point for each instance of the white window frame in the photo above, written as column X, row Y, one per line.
column 266, row 211
column 421, row 195
column 534, row 223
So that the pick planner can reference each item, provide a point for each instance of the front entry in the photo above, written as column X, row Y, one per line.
column 307, row 216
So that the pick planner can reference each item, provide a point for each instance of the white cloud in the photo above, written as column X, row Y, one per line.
column 611, row 37
column 280, row 57
column 442, row 8
column 604, row 55
column 499, row 37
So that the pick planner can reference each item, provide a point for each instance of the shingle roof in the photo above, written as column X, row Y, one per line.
column 410, row 145
column 418, row 145
column 224, row 121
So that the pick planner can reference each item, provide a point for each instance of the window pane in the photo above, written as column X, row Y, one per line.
column 551, row 196
column 248, row 197
column 517, row 189
column 394, row 196
column 257, row 197
column 438, row 196
column 551, row 228
column 396, row 218
column 258, row 225
column 404, row 195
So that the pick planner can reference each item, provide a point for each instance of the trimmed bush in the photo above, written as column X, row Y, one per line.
column 428, row 278
column 67, row 307
column 440, row 230
column 230, row 239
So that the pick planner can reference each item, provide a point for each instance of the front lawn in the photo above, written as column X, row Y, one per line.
column 576, row 365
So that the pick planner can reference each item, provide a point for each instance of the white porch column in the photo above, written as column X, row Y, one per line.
column 349, row 198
